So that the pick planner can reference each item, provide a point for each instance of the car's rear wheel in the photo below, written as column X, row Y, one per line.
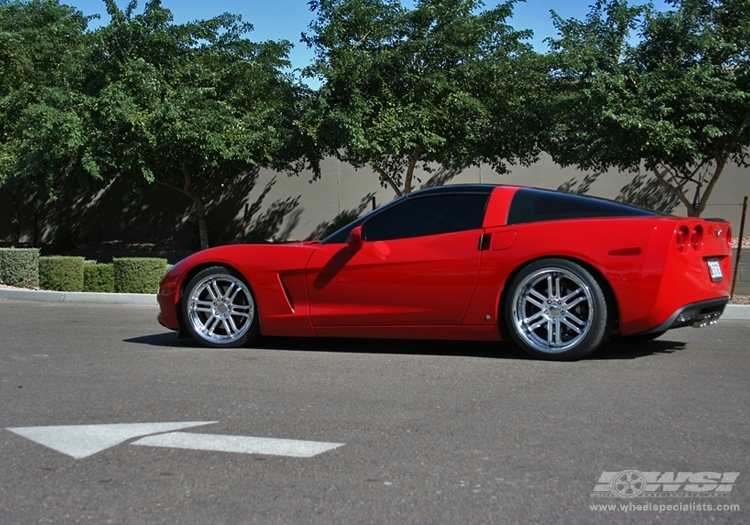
column 556, row 309
column 219, row 308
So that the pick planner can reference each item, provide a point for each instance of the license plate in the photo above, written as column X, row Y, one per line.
column 715, row 269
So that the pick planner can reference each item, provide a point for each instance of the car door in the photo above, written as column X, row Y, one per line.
column 418, row 265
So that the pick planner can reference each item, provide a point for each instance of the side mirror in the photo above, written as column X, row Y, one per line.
column 356, row 239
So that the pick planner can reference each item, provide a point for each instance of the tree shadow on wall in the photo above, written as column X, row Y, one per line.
column 233, row 219
column 442, row 177
column 267, row 226
column 84, row 212
column 579, row 187
column 99, row 213
column 326, row 228
column 644, row 190
column 289, row 224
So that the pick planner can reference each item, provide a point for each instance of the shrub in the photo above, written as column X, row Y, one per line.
column 61, row 273
column 19, row 267
column 99, row 277
column 138, row 274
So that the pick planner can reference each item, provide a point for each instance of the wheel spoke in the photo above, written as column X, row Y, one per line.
column 236, row 307
column 575, row 319
column 213, row 325
column 571, row 325
column 234, row 295
column 217, row 290
column 577, row 301
column 535, row 303
column 536, row 294
column 538, row 324
column 550, row 334
column 558, row 333
column 533, row 317
column 232, row 286
column 572, row 294
column 227, row 328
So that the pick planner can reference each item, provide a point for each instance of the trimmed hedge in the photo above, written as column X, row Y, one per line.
column 19, row 267
column 138, row 274
column 61, row 273
column 99, row 277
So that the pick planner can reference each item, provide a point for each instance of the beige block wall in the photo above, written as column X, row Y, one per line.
column 158, row 215
column 342, row 188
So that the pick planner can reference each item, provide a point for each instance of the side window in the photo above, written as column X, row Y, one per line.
column 428, row 215
column 533, row 205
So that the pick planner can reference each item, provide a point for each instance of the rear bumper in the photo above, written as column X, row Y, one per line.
column 696, row 315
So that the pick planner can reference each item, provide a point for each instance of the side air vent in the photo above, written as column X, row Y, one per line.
column 287, row 295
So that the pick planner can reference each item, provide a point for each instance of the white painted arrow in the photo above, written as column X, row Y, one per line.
column 242, row 444
column 81, row 441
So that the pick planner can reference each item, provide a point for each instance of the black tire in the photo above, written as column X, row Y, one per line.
column 219, row 309
column 555, row 309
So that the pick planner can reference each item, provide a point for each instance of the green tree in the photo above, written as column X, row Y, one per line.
column 440, row 83
column 677, row 100
column 191, row 106
column 43, row 130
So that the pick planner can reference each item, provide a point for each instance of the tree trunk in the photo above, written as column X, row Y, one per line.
column 15, row 221
column 721, row 159
column 698, row 205
column 677, row 192
column 714, row 178
column 387, row 178
column 408, row 176
column 200, row 208
column 202, row 223
column 413, row 159
column 175, row 233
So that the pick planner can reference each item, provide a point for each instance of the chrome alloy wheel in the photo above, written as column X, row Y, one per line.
column 552, row 310
column 220, row 309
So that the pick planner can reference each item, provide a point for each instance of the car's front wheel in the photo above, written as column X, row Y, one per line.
column 555, row 309
column 219, row 308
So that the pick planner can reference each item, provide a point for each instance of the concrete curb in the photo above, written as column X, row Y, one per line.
column 133, row 299
column 736, row 312
column 733, row 312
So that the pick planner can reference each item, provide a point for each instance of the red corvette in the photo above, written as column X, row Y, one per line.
column 556, row 273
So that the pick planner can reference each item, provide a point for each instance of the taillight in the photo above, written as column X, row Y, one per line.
column 683, row 234
column 696, row 239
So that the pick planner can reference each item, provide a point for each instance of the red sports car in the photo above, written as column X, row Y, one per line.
column 556, row 273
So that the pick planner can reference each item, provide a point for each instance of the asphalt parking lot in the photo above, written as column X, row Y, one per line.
column 115, row 421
